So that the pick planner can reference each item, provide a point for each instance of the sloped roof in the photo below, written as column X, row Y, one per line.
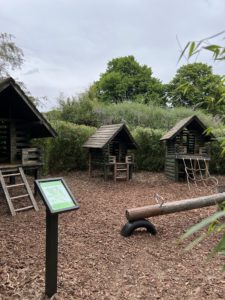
column 14, row 103
column 184, row 123
column 106, row 133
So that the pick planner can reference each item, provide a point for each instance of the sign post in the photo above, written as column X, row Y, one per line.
column 58, row 199
column 51, row 258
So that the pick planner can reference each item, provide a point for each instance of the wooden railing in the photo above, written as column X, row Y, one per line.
column 31, row 156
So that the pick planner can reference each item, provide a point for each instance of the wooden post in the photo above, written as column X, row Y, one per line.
column 206, row 168
column 115, row 171
column 89, row 165
column 133, row 214
column 51, row 254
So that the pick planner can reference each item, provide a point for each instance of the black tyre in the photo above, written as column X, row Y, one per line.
column 129, row 227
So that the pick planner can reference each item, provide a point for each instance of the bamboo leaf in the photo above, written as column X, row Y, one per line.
column 208, row 131
column 191, row 49
column 212, row 48
column 220, row 246
column 202, row 224
column 184, row 50
column 196, row 241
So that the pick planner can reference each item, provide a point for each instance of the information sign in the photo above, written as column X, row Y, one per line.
column 56, row 195
column 57, row 198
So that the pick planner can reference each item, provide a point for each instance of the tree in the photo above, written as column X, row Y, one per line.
column 196, row 86
column 11, row 56
column 126, row 80
column 78, row 110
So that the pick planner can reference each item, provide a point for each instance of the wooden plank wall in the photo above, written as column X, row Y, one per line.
column 22, row 138
column 170, row 167
column 4, row 141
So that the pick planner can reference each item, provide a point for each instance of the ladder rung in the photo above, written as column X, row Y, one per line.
column 121, row 169
column 24, row 208
column 20, row 196
column 14, row 185
column 13, row 174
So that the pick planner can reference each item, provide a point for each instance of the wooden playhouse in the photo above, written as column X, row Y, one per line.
column 20, row 122
column 187, row 148
column 109, row 150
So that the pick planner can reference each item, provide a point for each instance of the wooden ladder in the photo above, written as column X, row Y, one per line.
column 24, row 183
column 121, row 171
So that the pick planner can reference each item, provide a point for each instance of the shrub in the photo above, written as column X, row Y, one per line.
column 217, row 162
column 137, row 114
column 150, row 155
column 65, row 152
column 93, row 113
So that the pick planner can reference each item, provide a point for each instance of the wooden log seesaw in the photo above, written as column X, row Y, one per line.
column 136, row 216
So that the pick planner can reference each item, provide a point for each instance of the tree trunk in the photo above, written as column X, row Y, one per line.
column 138, row 213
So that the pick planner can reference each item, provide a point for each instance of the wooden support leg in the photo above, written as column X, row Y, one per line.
column 115, row 172
column 105, row 172
column 89, row 165
column 37, row 175
column 207, row 168
column 130, row 171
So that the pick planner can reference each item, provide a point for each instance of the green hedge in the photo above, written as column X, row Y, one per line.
column 150, row 155
column 65, row 152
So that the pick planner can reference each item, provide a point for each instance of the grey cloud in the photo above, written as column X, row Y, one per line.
column 70, row 42
column 31, row 71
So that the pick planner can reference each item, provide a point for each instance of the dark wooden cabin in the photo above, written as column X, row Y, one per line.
column 109, row 149
column 186, row 144
column 20, row 122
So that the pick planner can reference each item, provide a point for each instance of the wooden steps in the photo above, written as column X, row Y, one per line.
column 121, row 171
column 4, row 174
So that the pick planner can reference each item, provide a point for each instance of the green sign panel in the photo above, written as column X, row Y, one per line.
column 56, row 195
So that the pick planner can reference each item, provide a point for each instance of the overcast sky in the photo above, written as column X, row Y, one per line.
column 67, row 43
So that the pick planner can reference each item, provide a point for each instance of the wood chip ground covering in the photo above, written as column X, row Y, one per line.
column 95, row 261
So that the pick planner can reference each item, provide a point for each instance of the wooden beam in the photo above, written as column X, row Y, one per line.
column 138, row 213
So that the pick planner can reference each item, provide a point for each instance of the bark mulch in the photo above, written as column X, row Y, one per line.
column 95, row 261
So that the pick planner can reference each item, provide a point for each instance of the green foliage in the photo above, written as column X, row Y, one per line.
column 214, row 223
column 195, row 85
column 137, row 114
column 79, row 110
column 134, row 114
column 217, row 162
column 65, row 152
column 53, row 115
column 194, row 48
column 11, row 56
column 151, row 153
column 126, row 80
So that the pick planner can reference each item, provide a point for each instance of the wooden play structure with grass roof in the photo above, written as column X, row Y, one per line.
column 20, row 122
column 109, row 150
column 188, row 151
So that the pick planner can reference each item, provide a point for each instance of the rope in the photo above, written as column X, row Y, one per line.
column 191, row 174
